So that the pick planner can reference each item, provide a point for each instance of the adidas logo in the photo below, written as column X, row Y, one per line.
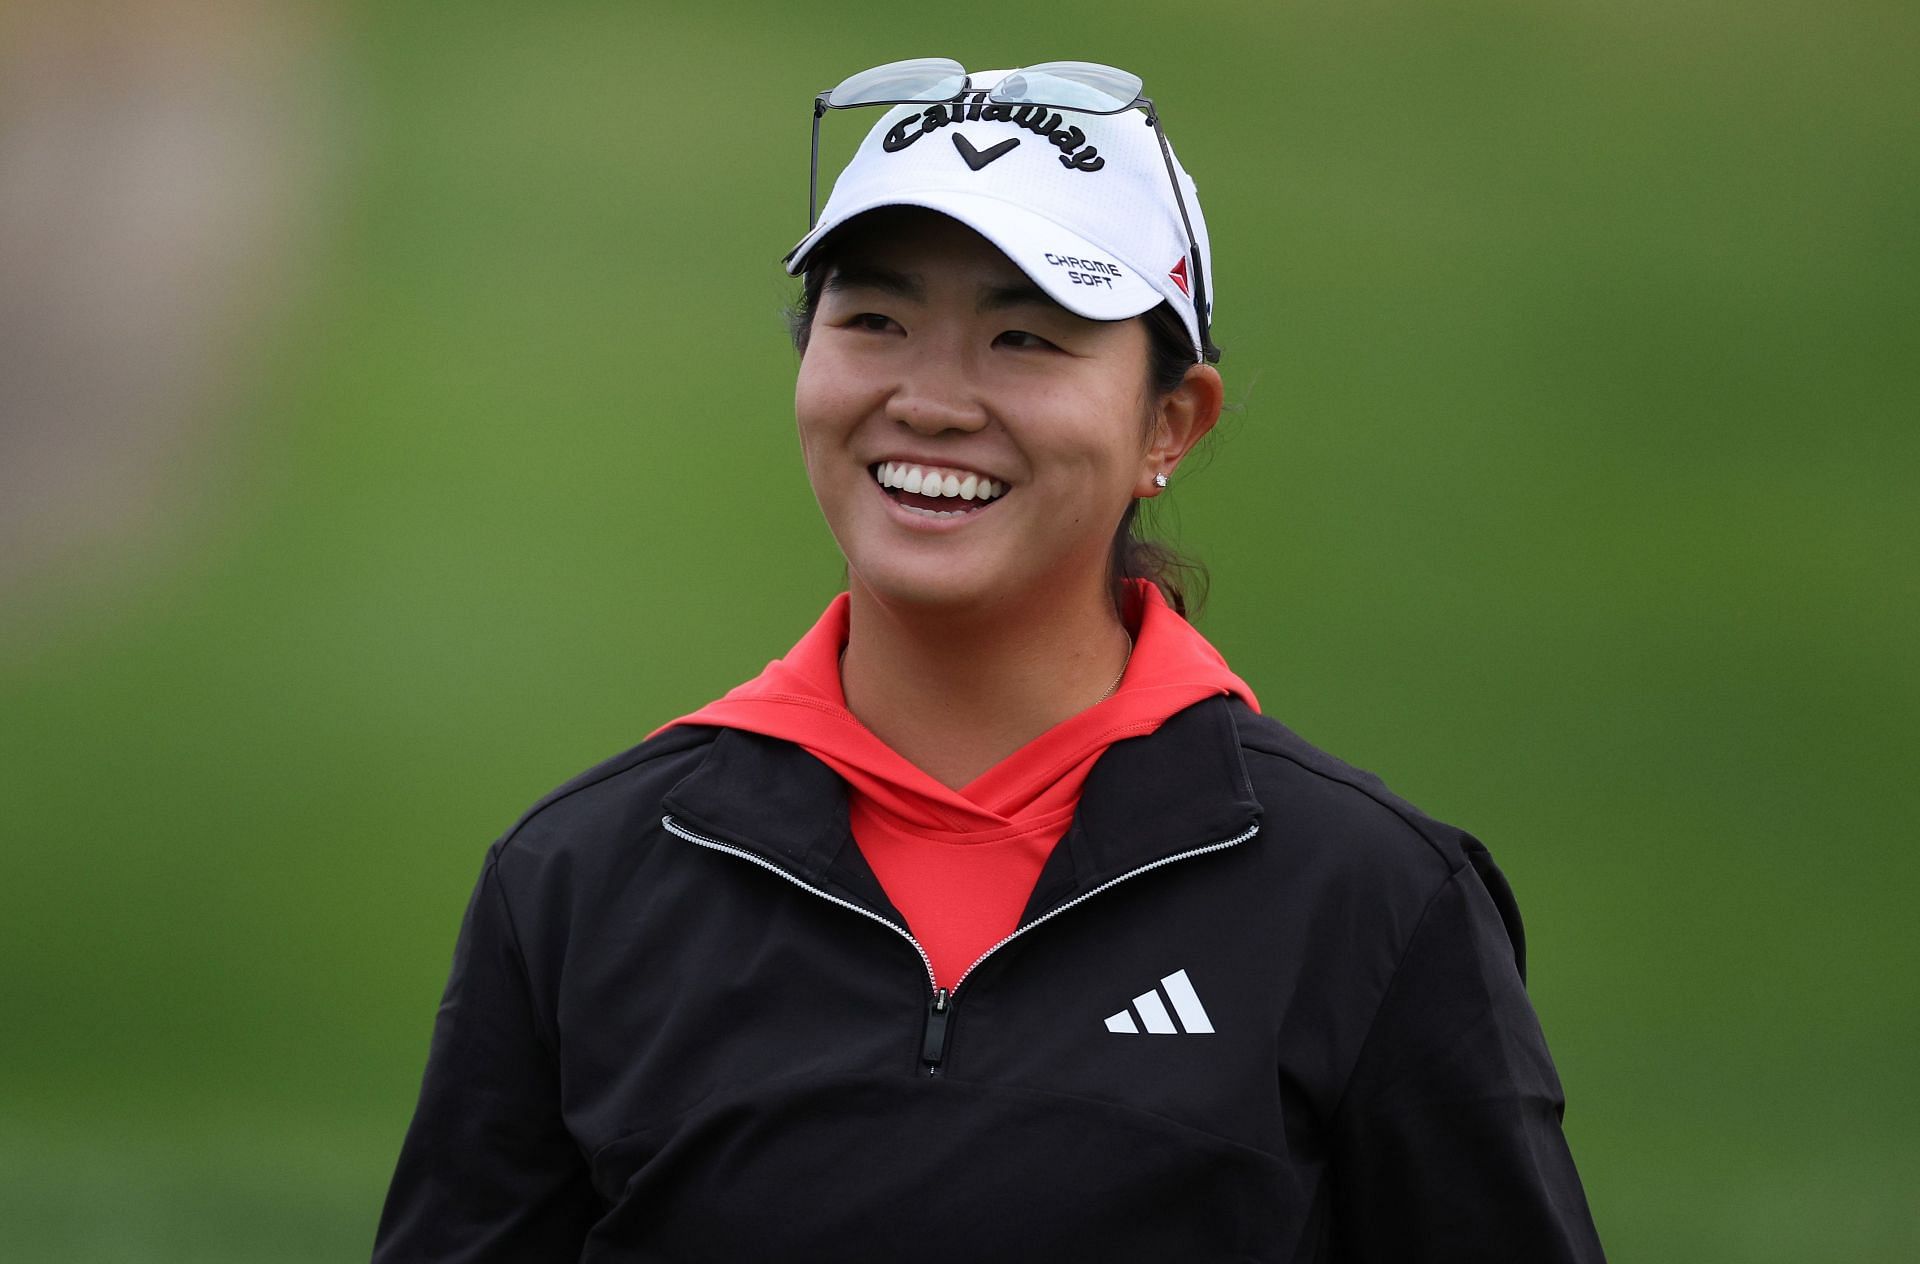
column 1153, row 1011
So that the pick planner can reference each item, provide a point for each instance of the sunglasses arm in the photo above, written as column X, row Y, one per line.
column 813, row 160
column 1208, row 352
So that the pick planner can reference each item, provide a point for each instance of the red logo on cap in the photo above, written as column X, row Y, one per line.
column 1179, row 276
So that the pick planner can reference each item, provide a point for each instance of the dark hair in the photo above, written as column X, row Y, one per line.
column 1180, row 579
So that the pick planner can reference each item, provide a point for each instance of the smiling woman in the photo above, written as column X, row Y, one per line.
column 993, row 921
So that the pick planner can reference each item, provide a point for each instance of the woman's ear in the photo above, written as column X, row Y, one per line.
column 1181, row 419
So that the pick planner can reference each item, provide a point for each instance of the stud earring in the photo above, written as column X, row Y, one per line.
column 1161, row 480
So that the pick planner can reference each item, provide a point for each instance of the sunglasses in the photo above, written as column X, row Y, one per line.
column 1084, row 87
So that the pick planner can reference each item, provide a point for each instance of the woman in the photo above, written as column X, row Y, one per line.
column 993, row 922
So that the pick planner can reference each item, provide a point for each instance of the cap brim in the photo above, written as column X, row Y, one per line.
column 1082, row 276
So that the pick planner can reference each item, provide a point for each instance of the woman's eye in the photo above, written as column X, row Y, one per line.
column 1020, row 338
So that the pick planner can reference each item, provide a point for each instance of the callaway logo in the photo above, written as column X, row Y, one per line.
column 973, row 107
column 978, row 158
column 1178, row 275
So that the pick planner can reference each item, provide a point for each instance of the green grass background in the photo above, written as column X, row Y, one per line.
column 1572, row 489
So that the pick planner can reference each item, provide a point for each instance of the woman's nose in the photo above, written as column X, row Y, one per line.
column 935, row 395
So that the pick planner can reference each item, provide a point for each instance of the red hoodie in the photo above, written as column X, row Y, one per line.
column 960, row 864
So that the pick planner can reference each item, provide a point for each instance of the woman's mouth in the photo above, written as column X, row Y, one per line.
column 939, row 491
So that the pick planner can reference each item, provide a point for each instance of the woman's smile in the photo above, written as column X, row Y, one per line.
column 937, row 491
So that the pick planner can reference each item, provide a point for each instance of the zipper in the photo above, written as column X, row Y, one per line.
column 674, row 827
column 1110, row 883
column 933, row 1043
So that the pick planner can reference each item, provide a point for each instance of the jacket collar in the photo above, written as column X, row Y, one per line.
column 1180, row 787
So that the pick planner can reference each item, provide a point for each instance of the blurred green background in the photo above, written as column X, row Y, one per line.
column 1571, row 489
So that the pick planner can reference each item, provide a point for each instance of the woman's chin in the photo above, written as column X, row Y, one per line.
column 924, row 591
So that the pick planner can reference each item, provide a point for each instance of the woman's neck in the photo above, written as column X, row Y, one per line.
column 955, row 695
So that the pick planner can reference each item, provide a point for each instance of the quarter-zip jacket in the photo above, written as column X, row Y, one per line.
column 1257, row 1008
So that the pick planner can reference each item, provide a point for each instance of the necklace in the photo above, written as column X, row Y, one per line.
column 1123, row 670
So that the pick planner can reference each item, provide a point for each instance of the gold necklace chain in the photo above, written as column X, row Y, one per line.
column 1123, row 670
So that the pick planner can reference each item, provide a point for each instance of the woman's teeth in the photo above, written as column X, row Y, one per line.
column 938, row 482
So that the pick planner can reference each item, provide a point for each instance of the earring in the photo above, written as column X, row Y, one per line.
column 1161, row 480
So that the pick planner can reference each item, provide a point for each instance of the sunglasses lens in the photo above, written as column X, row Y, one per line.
column 922, row 79
column 1078, row 85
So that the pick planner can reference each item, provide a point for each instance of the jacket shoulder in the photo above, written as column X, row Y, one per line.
column 613, row 801
column 1345, row 818
column 1275, row 753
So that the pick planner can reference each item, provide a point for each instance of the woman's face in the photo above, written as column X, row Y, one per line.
column 934, row 364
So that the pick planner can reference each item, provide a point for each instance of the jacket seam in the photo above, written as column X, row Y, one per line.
column 1357, row 787
column 549, row 1040
column 990, row 1085
column 1393, row 979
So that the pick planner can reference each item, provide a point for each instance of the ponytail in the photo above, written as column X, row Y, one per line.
column 1180, row 579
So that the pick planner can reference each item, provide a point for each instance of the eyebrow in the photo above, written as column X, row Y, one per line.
column 867, row 276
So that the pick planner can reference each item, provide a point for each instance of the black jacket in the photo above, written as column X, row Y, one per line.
column 684, row 1023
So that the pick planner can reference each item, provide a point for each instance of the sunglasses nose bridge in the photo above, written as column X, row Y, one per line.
column 1074, row 85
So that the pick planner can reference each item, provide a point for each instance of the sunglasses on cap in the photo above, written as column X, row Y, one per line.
column 1084, row 87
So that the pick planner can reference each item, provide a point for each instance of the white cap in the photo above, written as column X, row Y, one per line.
column 1080, row 202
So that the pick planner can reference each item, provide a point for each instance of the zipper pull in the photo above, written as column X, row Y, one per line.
column 934, row 1047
